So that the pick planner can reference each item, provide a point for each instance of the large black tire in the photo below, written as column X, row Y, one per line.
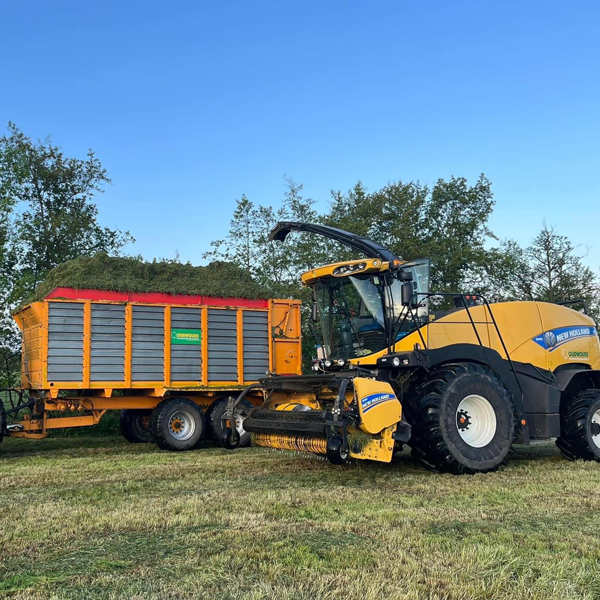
column 580, row 426
column 2, row 421
column 215, row 424
column 177, row 424
column 439, row 428
column 135, row 425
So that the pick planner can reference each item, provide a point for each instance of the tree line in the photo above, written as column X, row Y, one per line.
column 48, row 214
column 448, row 223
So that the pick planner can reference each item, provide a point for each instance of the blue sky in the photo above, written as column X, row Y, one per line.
column 191, row 104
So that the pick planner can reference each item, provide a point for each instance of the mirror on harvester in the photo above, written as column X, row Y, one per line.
column 314, row 313
column 406, row 292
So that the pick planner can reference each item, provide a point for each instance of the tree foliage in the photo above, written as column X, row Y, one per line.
column 273, row 265
column 447, row 223
column 47, row 216
column 53, row 216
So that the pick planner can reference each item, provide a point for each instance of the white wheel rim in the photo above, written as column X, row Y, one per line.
column 239, row 425
column 182, row 425
column 596, row 419
column 476, row 421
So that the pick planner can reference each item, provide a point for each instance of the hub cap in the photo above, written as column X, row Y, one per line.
column 182, row 425
column 596, row 428
column 476, row 421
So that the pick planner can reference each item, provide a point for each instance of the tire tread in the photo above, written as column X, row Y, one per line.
column 574, row 414
column 157, row 420
column 427, row 442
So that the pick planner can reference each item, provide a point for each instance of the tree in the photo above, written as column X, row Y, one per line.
column 47, row 216
column 548, row 270
column 240, row 246
column 447, row 224
column 273, row 265
column 504, row 275
column 557, row 273
column 53, row 216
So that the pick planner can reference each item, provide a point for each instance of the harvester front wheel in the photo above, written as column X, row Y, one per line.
column 177, row 424
column 580, row 426
column 463, row 420
column 135, row 425
column 215, row 421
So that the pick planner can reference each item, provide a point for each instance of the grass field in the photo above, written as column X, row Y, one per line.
column 100, row 518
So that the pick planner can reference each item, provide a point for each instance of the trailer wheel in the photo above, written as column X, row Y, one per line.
column 215, row 423
column 580, row 426
column 2, row 421
column 463, row 420
column 177, row 424
column 135, row 425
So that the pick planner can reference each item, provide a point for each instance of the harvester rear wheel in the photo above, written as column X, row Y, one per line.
column 2, row 421
column 580, row 426
column 177, row 424
column 135, row 425
column 463, row 420
column 215, row 423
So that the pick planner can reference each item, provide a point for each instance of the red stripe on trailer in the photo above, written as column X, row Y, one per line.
column 153, row 298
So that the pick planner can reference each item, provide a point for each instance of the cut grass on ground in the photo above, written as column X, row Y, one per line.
column 99, row 518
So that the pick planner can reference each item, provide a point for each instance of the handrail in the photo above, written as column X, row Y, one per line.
column 576, row 301
column 464, row 302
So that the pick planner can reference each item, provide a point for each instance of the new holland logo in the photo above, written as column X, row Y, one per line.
column 551, row 340
column 373, row 400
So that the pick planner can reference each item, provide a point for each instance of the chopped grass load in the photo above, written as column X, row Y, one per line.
column 130, row 274
column 100, row 518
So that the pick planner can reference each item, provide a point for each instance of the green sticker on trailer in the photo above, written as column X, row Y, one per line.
column 186, row 336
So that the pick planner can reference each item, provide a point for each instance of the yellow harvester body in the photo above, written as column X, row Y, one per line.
column 397, row 365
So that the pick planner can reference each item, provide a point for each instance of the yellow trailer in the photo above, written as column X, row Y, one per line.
column 167, row 362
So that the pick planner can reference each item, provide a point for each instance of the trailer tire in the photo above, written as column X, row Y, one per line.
column 177, row 424
column 2, row 421
column 215, row 424
column 580, row 426
column 135, row 425
column 463, row 420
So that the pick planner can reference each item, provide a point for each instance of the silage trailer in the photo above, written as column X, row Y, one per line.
column 167, row 362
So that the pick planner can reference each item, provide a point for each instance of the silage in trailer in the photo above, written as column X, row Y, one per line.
column 130, row 274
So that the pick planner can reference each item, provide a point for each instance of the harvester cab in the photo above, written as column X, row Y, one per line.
column 459, row 386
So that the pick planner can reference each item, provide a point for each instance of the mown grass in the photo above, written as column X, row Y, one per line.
column 100, row 518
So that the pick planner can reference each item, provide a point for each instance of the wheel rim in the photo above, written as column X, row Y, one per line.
column 596, row 436
column 182, row 425
column 476, row 421
column 239, row 425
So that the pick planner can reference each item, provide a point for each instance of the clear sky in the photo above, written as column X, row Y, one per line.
column 191, row 104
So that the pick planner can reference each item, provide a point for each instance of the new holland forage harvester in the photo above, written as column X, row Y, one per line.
column 459, row 386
